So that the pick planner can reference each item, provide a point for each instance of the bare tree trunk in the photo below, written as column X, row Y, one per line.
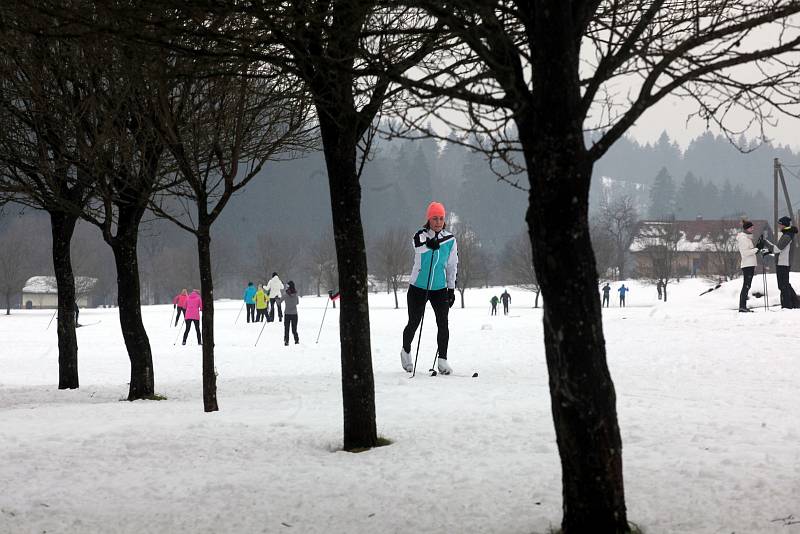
column 396, row 302
column 581, row 390
column 130, row 310
column 358, row 388
column 461, row 293
column 207, row 294
column 536, row 300
column 8, row 303
column 583, row 400
column 62, row 227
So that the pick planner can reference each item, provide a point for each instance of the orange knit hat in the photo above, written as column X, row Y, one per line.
column 434, row 209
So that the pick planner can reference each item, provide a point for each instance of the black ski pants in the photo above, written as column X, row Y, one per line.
column 505, row 308
column 416, row 308
column 494, row 309
column 291, row 319
column 747, row 279
column 261, row 314
column 787, row 292
column 178, row 314
column 189, row 327
column 272, row 303
column 251, row 313
column 605, row 300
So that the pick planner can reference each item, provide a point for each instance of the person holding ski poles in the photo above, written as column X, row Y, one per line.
column 622, row 290
column 783, row 251
column 194, row 305
column 433, row 278
column 290, row 299
column 506, row 298
column 262, row 304
column 179, row 303
column 249, row 298
column 606, row 294
column 748, row 264
column 274, row 289
column 494, row 300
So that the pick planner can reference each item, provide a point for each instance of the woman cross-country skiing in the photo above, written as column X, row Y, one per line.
column 433, row 278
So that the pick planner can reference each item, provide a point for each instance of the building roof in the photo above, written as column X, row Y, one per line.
column 47, row 284
column 700, row 235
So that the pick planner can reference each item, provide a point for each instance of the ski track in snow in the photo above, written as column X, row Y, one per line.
column 706, row 399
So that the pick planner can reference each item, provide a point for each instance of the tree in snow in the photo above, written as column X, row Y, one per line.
column 392, row 258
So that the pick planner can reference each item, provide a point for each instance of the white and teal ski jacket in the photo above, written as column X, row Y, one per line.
column 444, row 260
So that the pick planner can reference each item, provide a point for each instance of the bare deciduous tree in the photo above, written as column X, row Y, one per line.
column 725, row 258
column 470, row 258
column 16, row 263
column 657, row 245
column 392, row 257
column 517, row 265
column 617, row 218
column 559, row 70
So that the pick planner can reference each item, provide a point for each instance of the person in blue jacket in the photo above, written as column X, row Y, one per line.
column 249, row 298
column 433, row 279
column 622, row 290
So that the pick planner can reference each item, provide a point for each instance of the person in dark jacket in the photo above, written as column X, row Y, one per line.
column 494, row 302
column 783, row 250
column 606, row 294
column 506, row 298
column 290, row 301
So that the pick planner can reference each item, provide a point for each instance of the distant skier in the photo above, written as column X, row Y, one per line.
column 179, row 303
column 291, row 299
column 659, row 286
column 606, row 294
column 77, row 312
column 194, row 305
column 433, row 278
column 274, row 288
column 622, row 291
column 748, row 264
column 784, row 250
column 249, row 301
column 506, row 298
column 494, row 302
column 262, row 302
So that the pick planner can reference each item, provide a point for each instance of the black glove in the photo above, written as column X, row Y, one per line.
column 432, row 243
column 451, row 297
column 760, row 242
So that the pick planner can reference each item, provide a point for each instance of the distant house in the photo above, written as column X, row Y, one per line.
column 42, row 292
column 697, row 247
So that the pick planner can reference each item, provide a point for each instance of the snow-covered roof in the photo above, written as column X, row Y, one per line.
column 47, row 284
column 693, row 236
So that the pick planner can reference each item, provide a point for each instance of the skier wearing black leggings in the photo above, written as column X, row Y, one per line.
column 433, row 279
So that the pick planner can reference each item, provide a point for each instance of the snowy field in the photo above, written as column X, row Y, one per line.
column 707, row 401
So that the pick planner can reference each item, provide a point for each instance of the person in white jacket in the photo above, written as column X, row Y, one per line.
column 275, row 287
column 749, row 261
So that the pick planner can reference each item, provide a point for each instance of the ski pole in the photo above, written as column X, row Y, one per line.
column 259, row 334
column 237, row 315
column 51, row 319
column 176, row 337
column 323, row 319
column 433, row 365
column 172, row 315
column 424, row 304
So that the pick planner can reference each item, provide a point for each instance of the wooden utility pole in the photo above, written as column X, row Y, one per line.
column 795, row 266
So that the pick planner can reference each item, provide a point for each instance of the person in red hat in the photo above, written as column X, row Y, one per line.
column 433, row 279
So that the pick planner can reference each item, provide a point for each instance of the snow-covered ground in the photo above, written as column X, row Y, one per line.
column 707, row 401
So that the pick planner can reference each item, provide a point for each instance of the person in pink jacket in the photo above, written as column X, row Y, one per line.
column 179, row 302
column 194, row 305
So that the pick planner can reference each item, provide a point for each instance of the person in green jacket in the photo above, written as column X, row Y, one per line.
column 494, row 302
column 262, row 301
